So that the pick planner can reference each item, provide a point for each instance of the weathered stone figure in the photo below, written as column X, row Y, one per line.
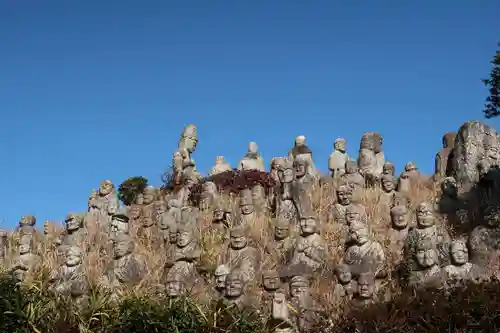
column 352, row 176
column 365, row 291
column 189, row 138
column 280, row 245
column 408, row 178
column 119, row 224
column 460, row 267
column 388, row 189
column 400, row 222
column 69, row 279
column 271, row 283
column 338, row 158
column 106, row 204
column 26, row 259
column 241, row 256
column 365, row 252
column 285, row 206
column 187, row 250
column 371, row 157
column 235, row 290
column 75, row 233
column 302, row 186
column 27, row 226
column 484, row 240
column 428, row 272
column 388, row 169
column 220, row 166
column 302, row 303
column 346, row 285
column 209, row 195
column 134, row 213
column 148, row 208
column 344, row 199
column 247, row 208
column 310, row 248
column 171, row 217
column 221, row 274
column 252, row 160
column 190, row 177
column 443, row 157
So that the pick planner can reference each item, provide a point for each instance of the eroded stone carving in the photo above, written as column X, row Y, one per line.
column 346, row 286
column 352, row 176
column 280, row 245
column 371, row 157
column 252, row 160
column 105, row 205
column 309, row 249
column 443, row 157
column 75, row 233
column 344, row 199
column 364, row 252
column 428, row 272
column 365, row 291
column 220, row 166
column 302, row 186
column 247, row 208
column 460, row 267
column 338, row 158
column 26, row 259
column 241, row 256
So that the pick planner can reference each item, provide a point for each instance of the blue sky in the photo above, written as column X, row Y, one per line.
column 94, row 90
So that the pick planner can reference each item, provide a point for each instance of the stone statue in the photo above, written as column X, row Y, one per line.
column 365, row 291
column 134, row 213
column 344, row 199
column 106, row 204
column 75, row 234
column 484, row 240
column 302, row 303
column 220, row 166
column 241, row 256
column 209, row 194
column 171, row 217
column 27, row 227
column 388, row 189
column 365, row 252
column 220, row 220
column 310, row 248
column 354, row 213
column 346, row 285
column 148, row 207
column 235, row 290
column 285, row 206
column 443, row 157
column 26, row 259
column 280, row 245
column 460, row 267
column 388, row 169
column 69, row 279
column 190, row 177
column 187, row 250
column 409, row 178
column 247, row 209
column 428, row 272
column 274, row 194
column 189, row 138
column 271, row 283
column 371, row 157
column 301, row 150
column 338, row 159
column 352, row 176
column 221, row 274
column 252, row 160
column 302, row 186
column 119, row 224
column 400, row 221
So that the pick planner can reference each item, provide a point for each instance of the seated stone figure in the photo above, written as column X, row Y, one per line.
column 179, row 282
column 247, row 208
column 344, row 199
column 427, row 272
column 309, row 249
column 364, row 251
column 119, row 224
column 460, row 267
column 221, row 274
column 26, row 260
column 388, row 185
column 346, row 285
column 280, row 245
column 365, row 290
column 69, row 279
column 127, row 267
column 240, row 256
column 187, row 252
column 4, row 245
column 400, row 221
column 235, row 291
column 170, row 219
column 302, row 303
column 484, row 240
column 75, row 233
column 352, row 176
column 209, row 195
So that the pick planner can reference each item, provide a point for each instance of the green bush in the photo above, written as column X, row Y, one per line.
column 131, row 188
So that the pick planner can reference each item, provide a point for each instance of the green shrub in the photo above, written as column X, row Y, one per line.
column 131, row 188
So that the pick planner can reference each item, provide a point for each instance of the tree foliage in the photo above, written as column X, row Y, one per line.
column 131, row 188
column 492, row 105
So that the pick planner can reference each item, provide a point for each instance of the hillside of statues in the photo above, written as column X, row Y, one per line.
column 282, row 239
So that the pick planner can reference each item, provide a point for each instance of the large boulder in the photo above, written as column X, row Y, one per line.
column 474, row 153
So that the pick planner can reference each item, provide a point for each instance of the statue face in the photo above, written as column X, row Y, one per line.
column 281, row 232
column 352, row 215
column 190, row 143
column 135, row 212
column 105, row 188
column 238, row 242
column 340, row 146
column 298, row 290
column 492, row 152
column 172, row 235
column 121, row 248
column 300, row 169
column 388, row 185
column 271, row 282
column 173, row 288
column 24, row 248
column 72, row 259
column 459, row 253
column 72, row 224
column 426, row 257
column 218, row 215
column 425, row 217
column 399, row 219
column 183, row 238
column 247, row 209
column 234, row 287
column 307, row 226
column 148, row 197
column 365, row 289
column 26, row 220
column 344, row 197
column 344, row 274
column 360, row 235
column 220, row 281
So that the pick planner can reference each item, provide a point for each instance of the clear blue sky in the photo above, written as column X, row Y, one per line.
column 93, row 90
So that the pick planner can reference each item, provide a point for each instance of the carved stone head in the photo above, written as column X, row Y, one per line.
column 27, row 220
column 343, row 273
column 286, row 171
column 221, row 274
column 388, row 183
column 344, row 195
column 73, row 222
column 281, row 229
column 139, row 199
column 299, row 287
column 270, row 280
column 459, row 253
column 234, row 284
column 25, row 244
column 410, row 166
column 149, row 195
column 246, row 202
column 184, row 235
column 340, row 145
column 366, row 285
column 253, row 148
column 426, row 254
column 123, row 245
column 174, row 285
column 388, row 169
column 73, row 256
column 308, row 226
column 449, row 140
column 218, row 214
column 119, row 222
column 301, row 165
column 356, row 213
column 351, row 167
column 399, row 217
column 238, row 238
column 378, row 142
column 359, row 233
column 189, row 138
column 106, row 187
column 449, row 187
column 300, row 140
column 425, row 215
column 400, row 199
column 172, row 233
